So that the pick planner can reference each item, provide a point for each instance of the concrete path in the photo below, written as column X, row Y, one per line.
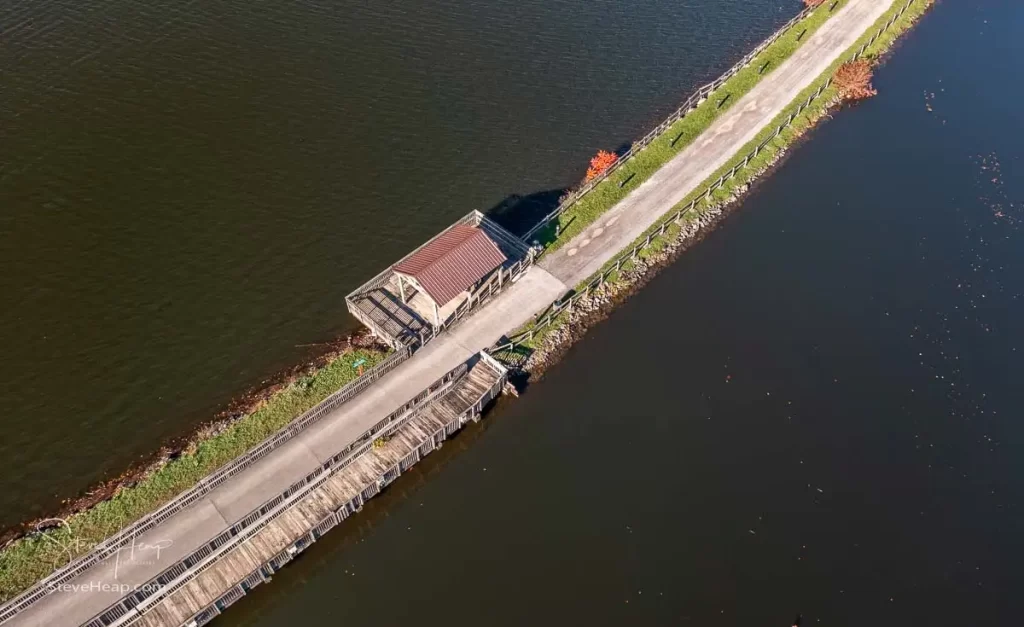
column 618, row 228
column 577, row 260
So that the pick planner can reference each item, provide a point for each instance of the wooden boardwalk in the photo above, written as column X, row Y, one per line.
column 387, row 315
column 225, row 576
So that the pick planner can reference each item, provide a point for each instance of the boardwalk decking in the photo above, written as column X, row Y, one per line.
column 226, row 576
column 387, row 313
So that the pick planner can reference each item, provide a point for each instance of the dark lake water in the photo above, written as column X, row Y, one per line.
column 189, row 189
column 817, row 410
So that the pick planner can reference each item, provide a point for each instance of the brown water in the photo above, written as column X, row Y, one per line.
column 188, row 190
column 817, row 410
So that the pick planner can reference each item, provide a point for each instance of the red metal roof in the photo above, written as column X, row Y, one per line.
column 452, row 263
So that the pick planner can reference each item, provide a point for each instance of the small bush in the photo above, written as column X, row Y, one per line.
column 853, row 80
column 600, row 163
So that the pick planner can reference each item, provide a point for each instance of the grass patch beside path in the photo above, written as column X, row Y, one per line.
column 607, row 193
column 30, row 559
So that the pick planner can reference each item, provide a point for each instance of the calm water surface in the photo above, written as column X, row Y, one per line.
column 189, row 189
column 817, row 410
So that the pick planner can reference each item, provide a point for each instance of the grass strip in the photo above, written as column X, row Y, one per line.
column 678, row 136
column 30, row 559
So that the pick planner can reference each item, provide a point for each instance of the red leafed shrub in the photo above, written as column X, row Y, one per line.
column 853, row 80
column 600, row 164
column 813, row 3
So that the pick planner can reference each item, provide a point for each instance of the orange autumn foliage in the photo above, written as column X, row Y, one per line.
column 853, row 80
column 600, row 164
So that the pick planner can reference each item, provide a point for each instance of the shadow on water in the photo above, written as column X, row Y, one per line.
column 519, row 213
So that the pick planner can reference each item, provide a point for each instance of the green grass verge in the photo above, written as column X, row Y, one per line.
column 30, row 559
column 607, row 193
column 800, row 125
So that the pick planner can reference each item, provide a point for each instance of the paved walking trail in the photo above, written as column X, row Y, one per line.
column 537, row 288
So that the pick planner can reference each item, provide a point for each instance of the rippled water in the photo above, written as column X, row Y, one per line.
column 816, row 410
column 189, row 189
